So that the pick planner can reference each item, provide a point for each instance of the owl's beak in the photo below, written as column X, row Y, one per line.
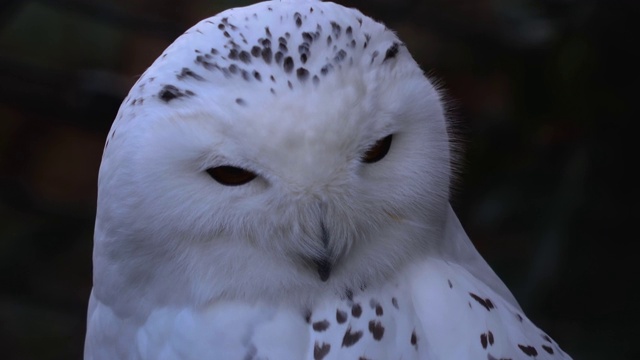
column 323, row 263
column 324, row 268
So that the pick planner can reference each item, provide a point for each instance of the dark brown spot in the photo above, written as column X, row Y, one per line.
column 325, row 69
column 528, row 350
column 257, row 76
column 450, row 284
column 244, row 57
column 278, row 57
column 379, row 310
column 288, row 64
column 392, row 51
column 483, row 340
column 376, row 329
column 547, row 349
column 307, row 37
column 303, row 74
column 484, row 302
column 267, row 31
column 255, row 51
column 341, row 316
column 490, row 337
column 340, row 56
column 320, row 325
column 307, row 316
column 374, row 55
column 546, row 338
column 414, row 339
column 298, row 18
column 186, row 72
column 320, row 351
column 394, row 302
column 356, row 310
column 266, row 55
column 241, row 102
column 170, row 92
column 304, row 48
column 336, row 29
column 351, row 338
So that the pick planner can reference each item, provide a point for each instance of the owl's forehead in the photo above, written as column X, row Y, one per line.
column 280, row 73
column 270, row 50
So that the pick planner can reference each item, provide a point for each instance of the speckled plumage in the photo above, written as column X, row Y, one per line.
column 321, row 252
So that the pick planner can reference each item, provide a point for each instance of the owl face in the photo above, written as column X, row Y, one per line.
column 324, row 179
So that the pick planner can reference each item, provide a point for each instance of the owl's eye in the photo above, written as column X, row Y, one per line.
column 378, row 151
column 231, row 175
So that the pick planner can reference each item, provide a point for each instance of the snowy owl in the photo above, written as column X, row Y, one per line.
column 276, row 186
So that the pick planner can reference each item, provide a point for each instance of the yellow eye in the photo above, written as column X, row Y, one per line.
column 231, row 175
column 378, row 151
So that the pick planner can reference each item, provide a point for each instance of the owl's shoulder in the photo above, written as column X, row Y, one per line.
column 462, row 317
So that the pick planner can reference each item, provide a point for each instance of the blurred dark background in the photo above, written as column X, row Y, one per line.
column 540, row 91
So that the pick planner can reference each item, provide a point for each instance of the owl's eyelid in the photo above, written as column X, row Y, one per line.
column 208, row 161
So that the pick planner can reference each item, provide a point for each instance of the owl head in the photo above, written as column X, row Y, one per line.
column 283, row 146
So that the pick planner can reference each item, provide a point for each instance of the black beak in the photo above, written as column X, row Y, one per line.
column 324, row 268
column 323, row 264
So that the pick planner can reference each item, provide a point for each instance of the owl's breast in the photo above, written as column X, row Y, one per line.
column 371, row 324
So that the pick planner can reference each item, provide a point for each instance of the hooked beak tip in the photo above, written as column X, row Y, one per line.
column 324, row 269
